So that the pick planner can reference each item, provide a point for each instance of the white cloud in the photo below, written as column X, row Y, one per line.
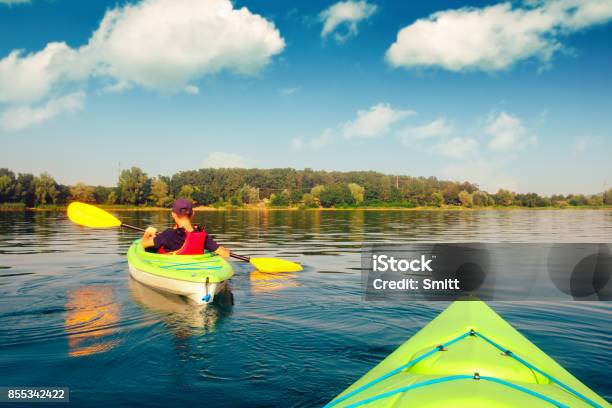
column 579, row 145
column 11, row 2
column 191, row 89
column 31, row 77
column 582, row 144
column 297, row 143
column 374, row 122
column 348, row 13
column 502, row 133
column 318, row 142
column 158, row 44
column 489, row 175
column 507, row 133
column 163, row 44
column 227, row 160
column 289, row 91
column 437, row 128
column 437, row 137
column 323, row 139
column 573, row 15
column 494, row 37
column 456, row 147
column 20, row 117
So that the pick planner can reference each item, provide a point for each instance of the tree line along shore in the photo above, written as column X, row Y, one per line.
column 275, row 188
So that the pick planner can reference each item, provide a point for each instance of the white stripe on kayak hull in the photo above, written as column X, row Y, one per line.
column 198, row 293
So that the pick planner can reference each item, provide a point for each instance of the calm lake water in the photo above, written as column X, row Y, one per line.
column 71, row 316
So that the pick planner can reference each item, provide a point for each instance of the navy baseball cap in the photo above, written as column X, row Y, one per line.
column 182, row 206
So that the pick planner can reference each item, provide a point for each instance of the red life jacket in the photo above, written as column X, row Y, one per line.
column 193, row 245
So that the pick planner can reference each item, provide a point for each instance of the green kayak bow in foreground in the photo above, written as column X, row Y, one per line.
column 468, row 356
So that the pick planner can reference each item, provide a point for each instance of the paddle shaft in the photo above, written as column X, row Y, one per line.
column 132, row 227
column 241, row 257
column 233, row 255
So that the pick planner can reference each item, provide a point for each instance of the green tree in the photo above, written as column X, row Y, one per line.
column 295, row 197
column 385, row 188
column 249, row 195
column 504, row 197
column 530, row 200
column 236, row 200
column 577, row 199
column 480, row 198
column 437, row 199
column 450, row 192
column 372, row 194
column 159, row 193
column 280, row 200
column 45, row 189
column 336, row 195
column 186, row 191
column 134, row 186
column 212, row 185
column 112, row 197
column 596, row 200
column 24, row 189
column 357, row 192
column 223, row 184
column 309, row 200
column 82, row 192
column 63, row 194
column 101, row 193
column 607, row 197
column 7, row 188
column 204, row 197
column 317, row 190
column 7, row 185
column 555, row 198
column 465, row 198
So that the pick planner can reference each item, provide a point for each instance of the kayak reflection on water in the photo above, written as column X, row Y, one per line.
column 262, row 282
column 92, row 317
column 182, row 318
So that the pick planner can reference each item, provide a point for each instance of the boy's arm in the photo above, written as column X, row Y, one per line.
column 223, row 251
column 212, row 246
column 148, row 238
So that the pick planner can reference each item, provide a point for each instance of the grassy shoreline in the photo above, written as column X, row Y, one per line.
column 295, row 208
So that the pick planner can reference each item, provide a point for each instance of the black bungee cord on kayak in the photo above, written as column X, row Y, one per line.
column 475, row 376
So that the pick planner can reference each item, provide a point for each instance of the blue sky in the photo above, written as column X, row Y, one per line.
column 513, row 95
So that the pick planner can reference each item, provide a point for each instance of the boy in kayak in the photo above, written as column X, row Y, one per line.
column 185, row 238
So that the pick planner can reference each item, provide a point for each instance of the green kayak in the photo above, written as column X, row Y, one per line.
column 468, row 356
column 197, row 277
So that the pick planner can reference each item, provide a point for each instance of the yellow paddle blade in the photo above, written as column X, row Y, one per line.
column 91, row 216
column 274, row 265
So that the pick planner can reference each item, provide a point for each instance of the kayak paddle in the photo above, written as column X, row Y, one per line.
column 91, row 216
